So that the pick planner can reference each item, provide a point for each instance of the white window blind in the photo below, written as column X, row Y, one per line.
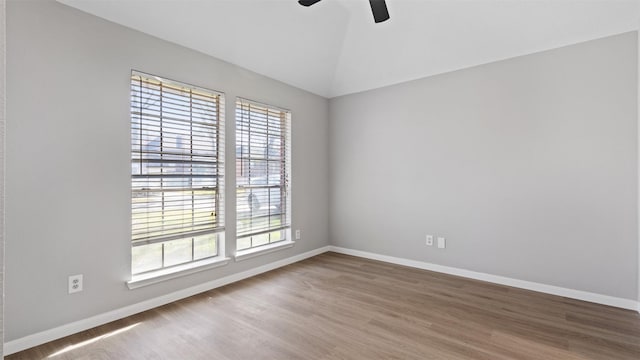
column 177, row 172
column 262, row 174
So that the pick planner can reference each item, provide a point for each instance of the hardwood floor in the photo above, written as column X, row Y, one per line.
column 335, row 306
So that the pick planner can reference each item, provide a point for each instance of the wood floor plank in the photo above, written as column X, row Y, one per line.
column 335, row 306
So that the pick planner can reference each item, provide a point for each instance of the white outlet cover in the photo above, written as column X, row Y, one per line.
column 441, row 243
column 429, row 241
column 75, row 283
column 298, row 234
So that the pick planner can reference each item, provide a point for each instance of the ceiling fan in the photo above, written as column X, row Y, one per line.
column 378, row 7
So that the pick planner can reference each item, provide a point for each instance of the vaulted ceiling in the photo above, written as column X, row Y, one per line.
column 334, row 48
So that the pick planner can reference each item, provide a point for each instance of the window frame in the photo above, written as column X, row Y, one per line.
column 215, row 226
column 243, row 117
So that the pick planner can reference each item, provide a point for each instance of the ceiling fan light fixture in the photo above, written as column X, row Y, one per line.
column 307, row 2
column 378, row 8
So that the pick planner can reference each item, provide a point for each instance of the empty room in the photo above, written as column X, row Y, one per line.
column 319, row 179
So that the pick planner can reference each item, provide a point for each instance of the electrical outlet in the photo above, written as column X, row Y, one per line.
column 75, row 283
column 429, row 241
column 441, row 243
column 298, row 234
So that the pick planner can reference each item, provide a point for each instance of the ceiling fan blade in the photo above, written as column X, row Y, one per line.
column 307, row 2
column 379, row 9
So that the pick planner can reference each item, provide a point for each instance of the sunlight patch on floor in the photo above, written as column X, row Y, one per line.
column 91, row 341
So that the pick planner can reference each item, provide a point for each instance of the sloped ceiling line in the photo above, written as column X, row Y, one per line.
column 333, row 48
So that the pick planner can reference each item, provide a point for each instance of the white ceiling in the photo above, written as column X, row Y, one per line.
column 334, row 48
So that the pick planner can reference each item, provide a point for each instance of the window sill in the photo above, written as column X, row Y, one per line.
column 154, row 277
column 250, row 253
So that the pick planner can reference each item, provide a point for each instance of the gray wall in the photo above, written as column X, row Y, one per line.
column 527, row 166
column 68, row 172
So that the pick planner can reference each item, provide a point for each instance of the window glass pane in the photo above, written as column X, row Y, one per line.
column 177, row 252
column 276, row 236
column 244, row 243
column 205, row 246
column 258, row 240
column 146, row 257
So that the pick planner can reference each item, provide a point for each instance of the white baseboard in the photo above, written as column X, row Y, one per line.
column 97, row 320
column 522, row 284
column 84, row 324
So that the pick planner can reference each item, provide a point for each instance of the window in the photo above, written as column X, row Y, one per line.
column 262, row 174
column 177, row 173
